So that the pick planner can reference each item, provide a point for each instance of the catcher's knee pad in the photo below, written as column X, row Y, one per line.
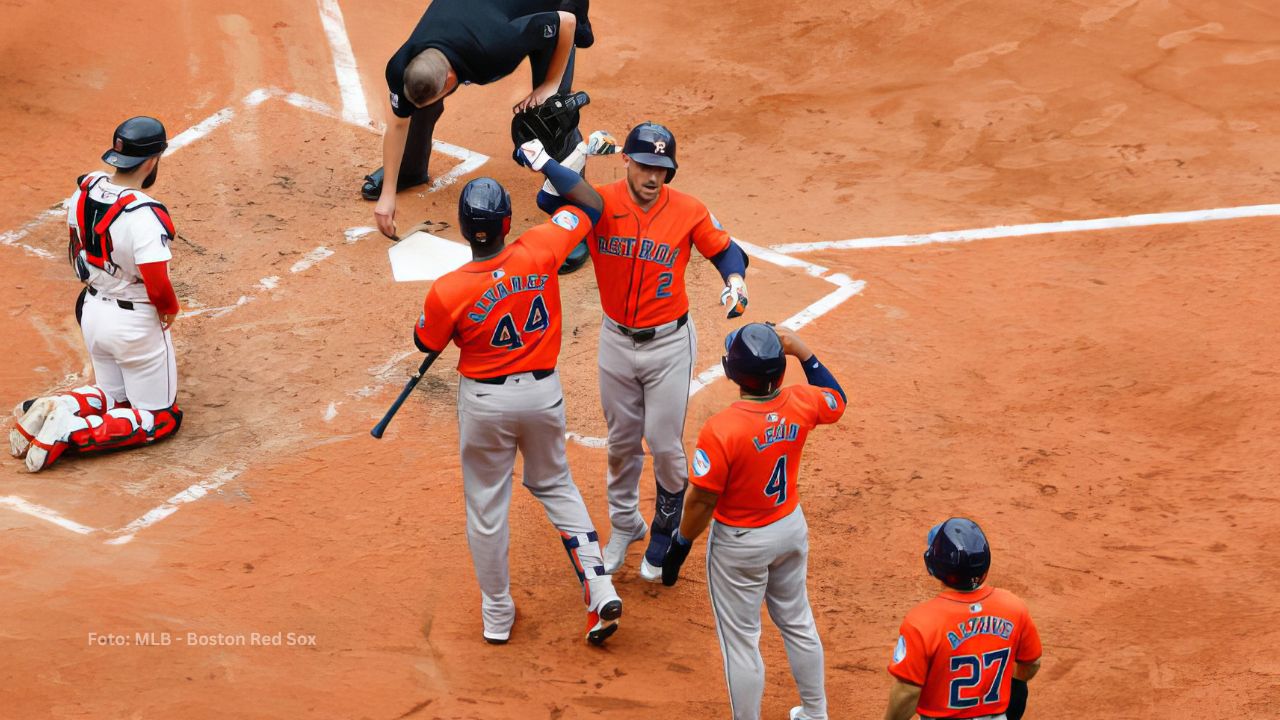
column 123, row 428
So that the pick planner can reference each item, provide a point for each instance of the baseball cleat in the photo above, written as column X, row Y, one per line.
column 604, row 610
column 651, row 566
column 32, row 415
column 650, row 573
column 49, row 443
column 615, row 552
column 797, row 713
column 497, row 638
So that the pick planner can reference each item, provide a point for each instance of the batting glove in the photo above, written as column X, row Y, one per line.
column 735, row 296
column 601, row 143
column 532, row 155
column 677, row 553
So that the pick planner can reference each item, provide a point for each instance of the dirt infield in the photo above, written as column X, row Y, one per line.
column 1103, row 402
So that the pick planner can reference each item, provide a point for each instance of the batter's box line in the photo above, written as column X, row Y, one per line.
column 468, row 160
column 126, row 533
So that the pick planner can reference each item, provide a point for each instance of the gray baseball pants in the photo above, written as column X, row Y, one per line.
column 644, row 390
column 747, row 566
column 495, row 420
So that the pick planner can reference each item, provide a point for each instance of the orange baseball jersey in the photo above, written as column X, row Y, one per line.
column 503, row 313
column 960, row 649
column 640, row 257
column 749, row 453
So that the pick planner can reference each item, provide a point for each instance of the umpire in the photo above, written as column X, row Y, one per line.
column 460, row 42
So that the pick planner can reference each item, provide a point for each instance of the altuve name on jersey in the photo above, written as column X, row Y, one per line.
column 504, row 288
column 650, row 250
column 982, row 625
column 783, row 431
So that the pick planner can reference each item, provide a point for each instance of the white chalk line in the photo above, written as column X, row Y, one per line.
column 1066, row 226
column 355, row 109
column 190, row 494
column 470, row 161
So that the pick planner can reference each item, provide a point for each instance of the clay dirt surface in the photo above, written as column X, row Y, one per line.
column 1103, row 403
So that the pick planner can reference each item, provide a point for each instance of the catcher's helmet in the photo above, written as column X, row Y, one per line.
column 958, row 554
column 484, row 211
column 652, row 144
column 753, row 358
column 136, row 140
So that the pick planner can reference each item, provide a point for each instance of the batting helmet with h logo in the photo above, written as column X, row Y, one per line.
column 652, row 144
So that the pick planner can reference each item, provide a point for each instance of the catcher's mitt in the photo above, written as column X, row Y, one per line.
column 554, row 122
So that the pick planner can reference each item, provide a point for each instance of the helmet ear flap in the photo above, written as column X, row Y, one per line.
column 506, row 226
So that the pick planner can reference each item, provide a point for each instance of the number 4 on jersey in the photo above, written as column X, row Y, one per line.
column 505, row 334
column 776, row 488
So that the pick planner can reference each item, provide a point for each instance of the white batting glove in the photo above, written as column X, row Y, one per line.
column 532, row 155
column 735, row 296
column 601, row 143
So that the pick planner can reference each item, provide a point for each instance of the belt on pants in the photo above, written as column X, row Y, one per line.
column 1001, row 716
column 124, row 304
column 643, row 335
column 502, row 379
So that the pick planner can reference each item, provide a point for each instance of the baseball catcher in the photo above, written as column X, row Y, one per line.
column 119, row 249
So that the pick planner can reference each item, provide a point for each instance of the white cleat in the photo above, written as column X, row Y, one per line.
column 650, row 573
column 797, row 713
column 604, row 610
column 44, row 451
column 28, row 425
column 615, row 552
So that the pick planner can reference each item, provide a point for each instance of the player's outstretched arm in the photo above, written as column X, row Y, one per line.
column 569, row 184
column 903, row 699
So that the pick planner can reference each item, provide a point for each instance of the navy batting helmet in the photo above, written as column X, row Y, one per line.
column 652, row 144
column 484, row 211
column 958, row 554
column 753, row 358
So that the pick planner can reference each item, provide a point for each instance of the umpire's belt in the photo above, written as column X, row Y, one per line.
column 502, row 379
column 643, row 335
column 124, row 304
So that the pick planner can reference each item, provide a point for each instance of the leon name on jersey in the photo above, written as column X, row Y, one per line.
column 779, row 430
column 502, row 289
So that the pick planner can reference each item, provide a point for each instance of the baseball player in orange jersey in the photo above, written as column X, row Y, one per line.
column 640, row 249
column 745, row 475
column 119, row 248
column 954, row 652
column 502, row 310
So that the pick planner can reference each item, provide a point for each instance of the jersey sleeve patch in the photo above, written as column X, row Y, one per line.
column 701, row 463
column 566, row 220
column 830, row 397
column 900, row 650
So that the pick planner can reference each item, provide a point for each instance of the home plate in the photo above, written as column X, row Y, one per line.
column 423, row 256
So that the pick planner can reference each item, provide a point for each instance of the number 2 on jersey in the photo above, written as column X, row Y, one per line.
column 776, row 488
column 664, row 283
column 975, row 667
column 505, row 335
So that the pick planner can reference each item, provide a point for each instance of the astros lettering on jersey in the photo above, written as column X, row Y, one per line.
column 640, row 256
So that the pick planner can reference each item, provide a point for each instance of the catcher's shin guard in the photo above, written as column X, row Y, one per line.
column 118, row 429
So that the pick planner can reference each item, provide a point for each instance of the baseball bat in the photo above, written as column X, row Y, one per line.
column 381, row 427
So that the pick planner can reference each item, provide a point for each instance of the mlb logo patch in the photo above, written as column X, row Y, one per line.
column 548, row 31
column 771, row 418
column 499, row 274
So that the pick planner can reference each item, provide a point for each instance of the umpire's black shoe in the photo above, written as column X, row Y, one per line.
column 577, row 258
column 372, row 188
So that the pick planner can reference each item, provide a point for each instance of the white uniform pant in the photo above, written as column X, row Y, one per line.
column 132, row 354
column 495, row 420
column 748, row 566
